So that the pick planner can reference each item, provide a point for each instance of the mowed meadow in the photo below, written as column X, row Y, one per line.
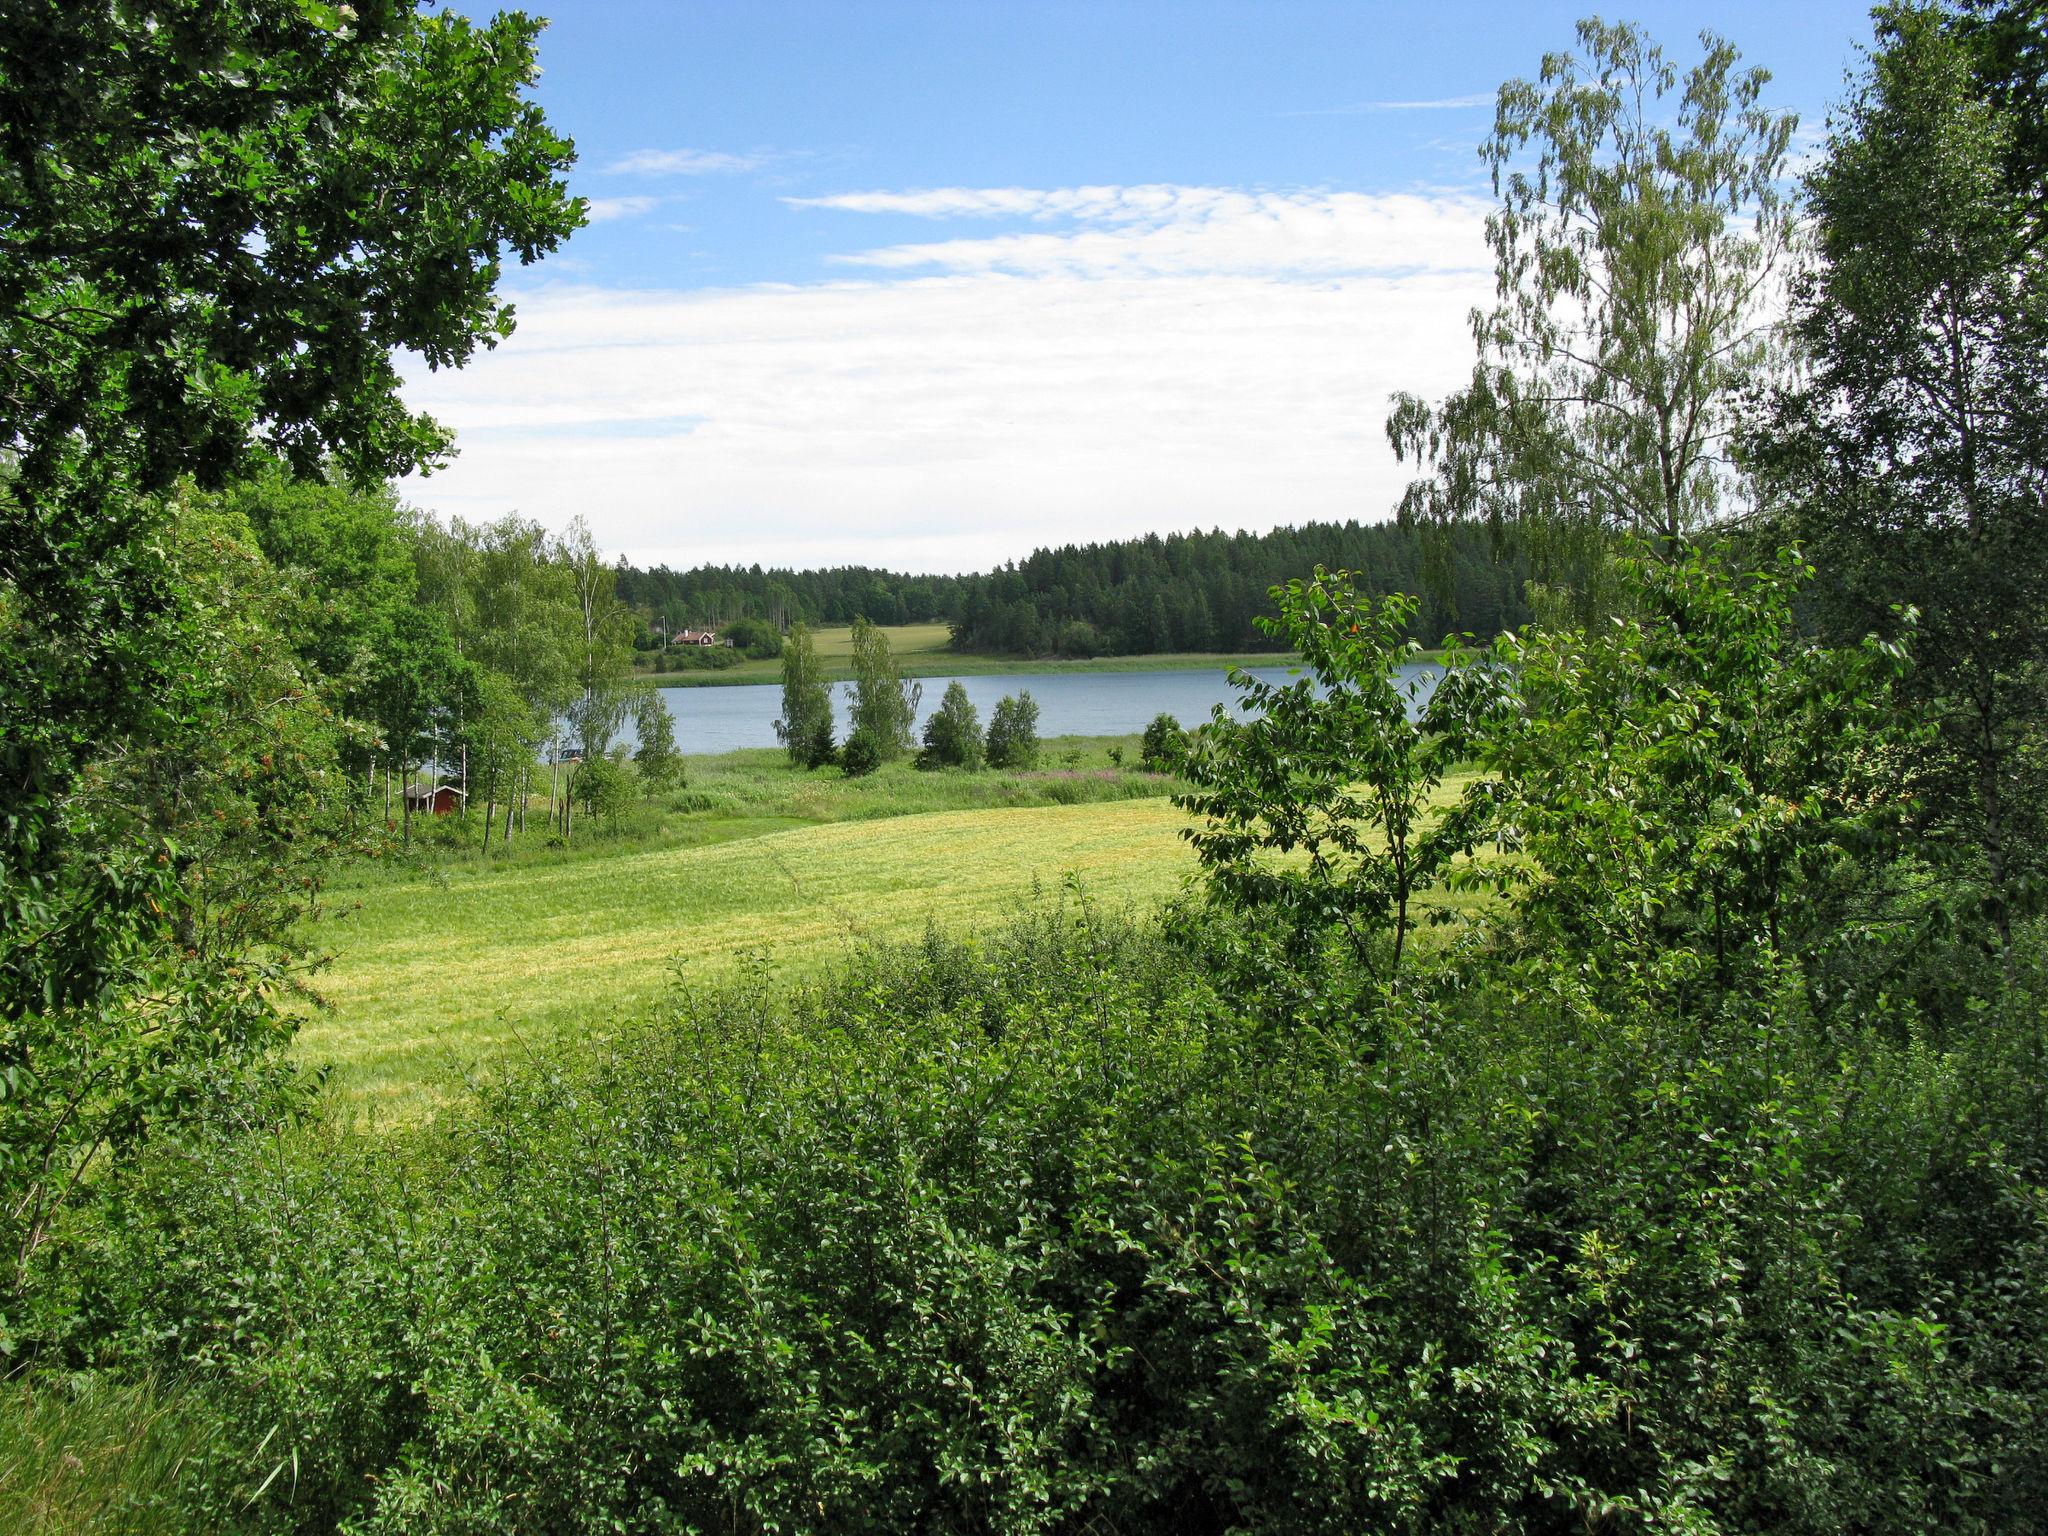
column 452, row 959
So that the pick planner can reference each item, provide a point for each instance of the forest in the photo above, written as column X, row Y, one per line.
column 714, row 596
column 1191, row 592
column 1207, row 591
column 1606, row 1091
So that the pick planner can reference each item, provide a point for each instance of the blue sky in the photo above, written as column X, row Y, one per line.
column 928, row 285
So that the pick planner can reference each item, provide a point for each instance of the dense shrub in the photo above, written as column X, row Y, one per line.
column 860, row 756
column 755, row 639
column 692, row 658
column 1042, row 1234
column 1164, row 744
column 603, row 787
column 1013, row 732
column 952, row 736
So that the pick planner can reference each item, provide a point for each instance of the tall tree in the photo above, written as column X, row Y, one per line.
column 1639, row 238
column 805, row 728
column 222, row 221
column 1913, row 461
column 884, row 706
column 660, row 764
column 604, row 644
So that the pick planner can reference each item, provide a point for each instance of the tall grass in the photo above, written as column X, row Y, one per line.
column 97, row 1454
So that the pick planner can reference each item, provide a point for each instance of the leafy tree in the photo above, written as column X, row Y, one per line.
column 805, row 728
column 1314, row 809
column 604, row 644
column 1679, row 784
column 1164, row 745
column 757, row 639
column 660, row 765
column 527, row 613
column 952, row 736
column 219, row 823
column 501, row 736
column 884, row 707
column 604, row 787
column 352, row 558
column 223, row 221
column 418, row 692
column 1913, row 460
column 1640, row 233
column 1013, row 732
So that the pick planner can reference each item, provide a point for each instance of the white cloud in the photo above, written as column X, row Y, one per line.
column 600, row 209
column 1430, row 104
column 1163, row 230
column 684, row 162
column 1180, row 357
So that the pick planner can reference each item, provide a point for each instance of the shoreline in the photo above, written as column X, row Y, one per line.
column 759, row 672
column 911, row 668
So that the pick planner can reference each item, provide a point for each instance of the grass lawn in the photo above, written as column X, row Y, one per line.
column 920, row 651
column 440, row 972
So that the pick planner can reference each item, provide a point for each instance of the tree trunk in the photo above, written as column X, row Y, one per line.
column 554, row 775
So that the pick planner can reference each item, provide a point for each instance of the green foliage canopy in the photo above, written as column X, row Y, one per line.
column 1913, row 458
column 223, row 220
column 1013, row 732
column 952, row 736
column 1641, row 228
column 805, row 728
column 884, row 706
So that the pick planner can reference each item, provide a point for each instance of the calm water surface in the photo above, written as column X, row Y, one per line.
column 716, row 719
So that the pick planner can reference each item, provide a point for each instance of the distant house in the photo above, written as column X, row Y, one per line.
column 695, row 637
column 438, row 799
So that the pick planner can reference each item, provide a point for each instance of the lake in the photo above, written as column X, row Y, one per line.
column 722, row 719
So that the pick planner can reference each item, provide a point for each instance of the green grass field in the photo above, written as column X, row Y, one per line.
column 920, row 651
column 444, row 964
column 439, row 973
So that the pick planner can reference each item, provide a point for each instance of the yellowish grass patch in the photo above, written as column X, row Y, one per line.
column 439, row 974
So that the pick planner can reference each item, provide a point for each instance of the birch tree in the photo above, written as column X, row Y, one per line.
column 1641, row 241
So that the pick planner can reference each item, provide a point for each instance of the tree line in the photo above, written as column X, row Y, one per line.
column 714, row 596
column 1206, row 591
column 1159, row 593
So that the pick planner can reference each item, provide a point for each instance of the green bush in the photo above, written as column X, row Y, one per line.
column 1013, row 732
column 860, row 756
column 700, row 658
column 755, row 639
column 603, row 787
column 952, row 736
column 1164, row 744
column 1046, row 1234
